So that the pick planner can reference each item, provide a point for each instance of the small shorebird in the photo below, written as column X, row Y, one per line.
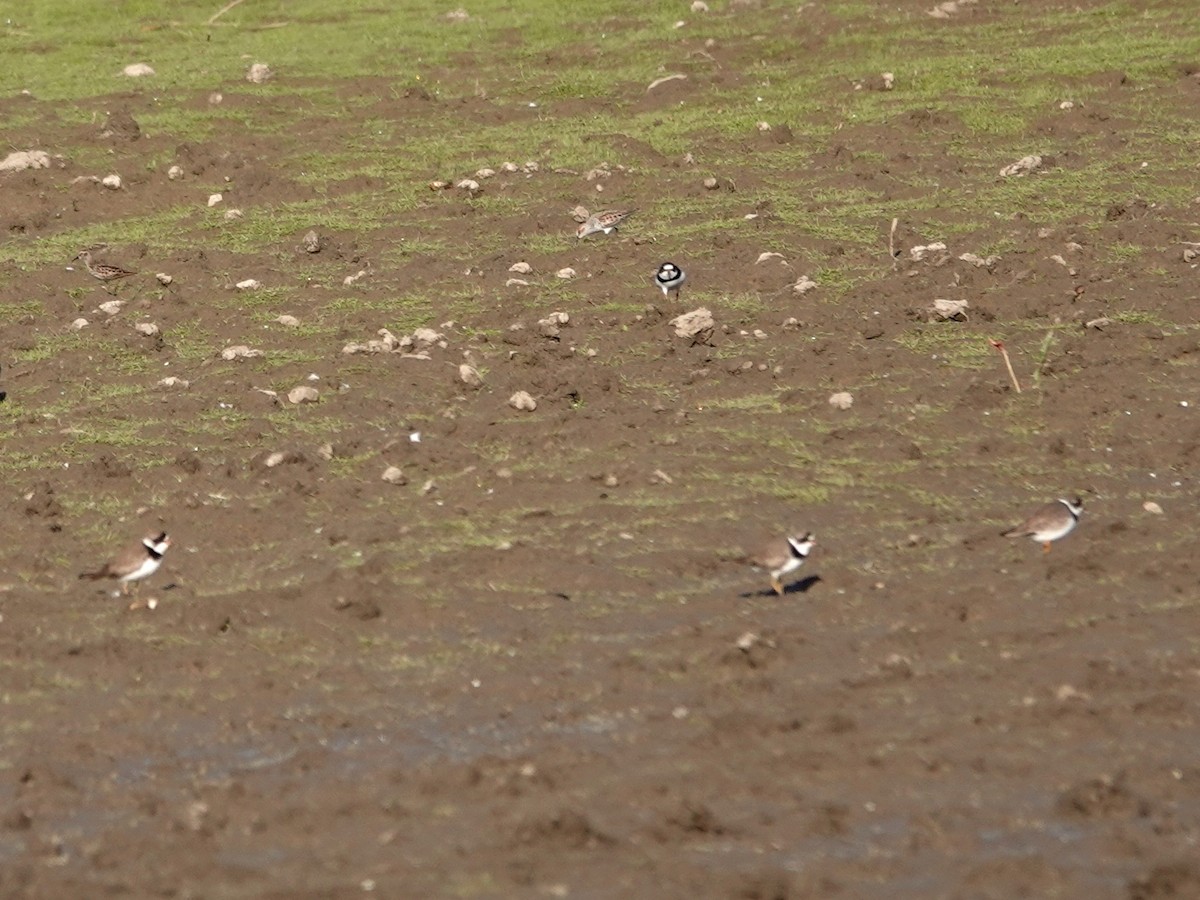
column 670, row 277
column 608, row 221
column 783, row 556
column 102, row 272
column 1050, row 523
column 135, row 562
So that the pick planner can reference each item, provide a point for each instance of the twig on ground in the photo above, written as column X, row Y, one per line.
column 892, row 241
column 224, row 9
column 999, row 346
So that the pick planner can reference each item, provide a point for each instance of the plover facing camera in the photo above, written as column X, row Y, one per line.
column 670, row 277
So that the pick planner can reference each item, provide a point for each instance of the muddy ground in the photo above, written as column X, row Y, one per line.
column 538, row 667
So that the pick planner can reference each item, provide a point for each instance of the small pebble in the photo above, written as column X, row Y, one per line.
column 522, row 400
column 259, row 73
column 303, row 394
column 393, row 475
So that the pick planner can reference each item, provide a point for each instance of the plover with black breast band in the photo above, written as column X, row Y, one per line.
column 783, row 556
column 135, row 562
column 1050, row 523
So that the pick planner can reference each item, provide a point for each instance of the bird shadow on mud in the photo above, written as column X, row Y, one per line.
column 797, row 587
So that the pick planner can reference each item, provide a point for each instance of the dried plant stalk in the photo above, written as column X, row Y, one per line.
column 999, row 345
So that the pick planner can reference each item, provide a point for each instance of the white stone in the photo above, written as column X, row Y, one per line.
column 288, row 321
column 521, row 268
column 394, row 475
column 803, row 285
column 949, row 309
column 112, row 182
column 149, row 329
column 231, row 214
column 923, row 250
column 172, row 381
column 111, row 307
column 259, row 73
column 240, row 351
column 20, row 160
column 214, row 199
column 137, row 70
column 694, row 324
column 841, row 400
column 303, row 394
column 1022, row 166
column 424, row 338
column 164, row 279
column 566, row 273
column 175, row 173
column 470, row 376
column 522, row 400
column 250, row 284
column 79, row 324
column 979, row 262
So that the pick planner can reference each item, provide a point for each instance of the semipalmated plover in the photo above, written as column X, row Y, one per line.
column 670, row 277
column 783, row 556
column 135, row 562
column 608, row 221
column 102, row 272
column 1051, row 522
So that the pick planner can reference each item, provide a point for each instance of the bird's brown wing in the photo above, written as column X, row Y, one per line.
column 1044, row 517
column 772, row 555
